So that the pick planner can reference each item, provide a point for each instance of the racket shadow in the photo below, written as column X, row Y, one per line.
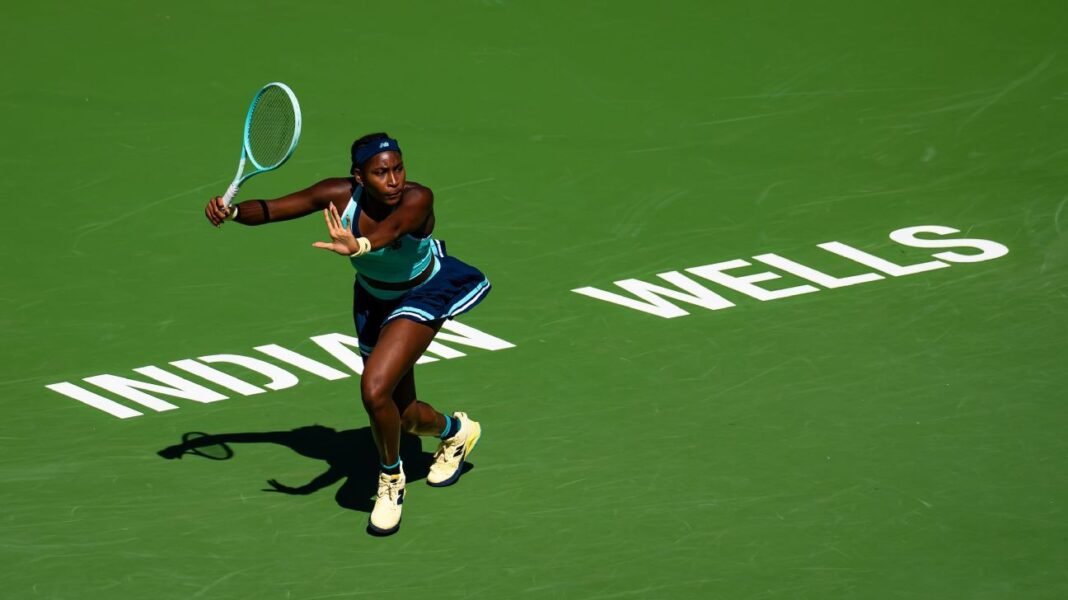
column 350, row 456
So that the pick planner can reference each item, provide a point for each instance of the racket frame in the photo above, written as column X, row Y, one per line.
column 246, row 154
column 189, row 436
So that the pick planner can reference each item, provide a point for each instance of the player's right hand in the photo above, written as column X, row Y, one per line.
column 216, row 211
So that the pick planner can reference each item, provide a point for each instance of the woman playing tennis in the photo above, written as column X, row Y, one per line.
column 405, row 288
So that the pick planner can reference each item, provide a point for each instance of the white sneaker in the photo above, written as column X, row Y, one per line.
column 452, row 453
column 386, row 516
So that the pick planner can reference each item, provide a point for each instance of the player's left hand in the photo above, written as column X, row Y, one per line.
column 342, row 240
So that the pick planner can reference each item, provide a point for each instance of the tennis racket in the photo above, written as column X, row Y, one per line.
column 203, row 444
column 272, row 128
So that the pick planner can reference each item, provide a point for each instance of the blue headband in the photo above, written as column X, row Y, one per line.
column 368, row 150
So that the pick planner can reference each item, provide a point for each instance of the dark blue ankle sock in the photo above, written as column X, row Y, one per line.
column 452, row 427
column 393, row 469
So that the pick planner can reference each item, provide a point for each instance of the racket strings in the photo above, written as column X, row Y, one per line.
column 271, row 128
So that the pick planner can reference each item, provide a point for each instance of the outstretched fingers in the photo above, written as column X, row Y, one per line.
column 329, row 222
column 330, row 230
column 338, row 233
column 335, row 219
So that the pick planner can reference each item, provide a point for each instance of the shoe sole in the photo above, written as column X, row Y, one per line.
column 378, row 532
column 468, row 448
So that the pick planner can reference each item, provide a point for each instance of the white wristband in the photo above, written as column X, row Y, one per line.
column 363, row 247
column 233, row 213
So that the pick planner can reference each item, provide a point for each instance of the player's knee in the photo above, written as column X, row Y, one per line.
column 375, row 391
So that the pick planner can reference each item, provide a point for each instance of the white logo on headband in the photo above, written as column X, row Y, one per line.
column 384, row 145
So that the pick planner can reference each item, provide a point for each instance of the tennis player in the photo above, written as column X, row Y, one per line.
column 405, row 288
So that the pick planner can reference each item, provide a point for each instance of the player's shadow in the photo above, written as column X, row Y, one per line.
column 350, row 455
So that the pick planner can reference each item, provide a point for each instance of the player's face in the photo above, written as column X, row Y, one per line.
column 383, row 177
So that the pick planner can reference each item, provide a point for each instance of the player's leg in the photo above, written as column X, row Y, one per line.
column 387, row 369
column 416, row 416
column 400, row 343
column 458, row 433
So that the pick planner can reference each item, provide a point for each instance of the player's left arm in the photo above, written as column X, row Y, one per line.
column 414, row 214
column 410, row 217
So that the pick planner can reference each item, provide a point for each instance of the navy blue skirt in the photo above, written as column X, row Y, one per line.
column 456, row 288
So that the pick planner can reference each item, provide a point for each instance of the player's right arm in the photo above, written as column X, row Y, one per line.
column 336, row 191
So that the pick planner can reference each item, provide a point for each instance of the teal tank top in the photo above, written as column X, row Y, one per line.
column 402, row 261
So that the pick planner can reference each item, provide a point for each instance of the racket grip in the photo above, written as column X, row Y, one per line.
column 229, row 195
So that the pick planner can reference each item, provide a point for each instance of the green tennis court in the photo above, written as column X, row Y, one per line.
column 828, row 412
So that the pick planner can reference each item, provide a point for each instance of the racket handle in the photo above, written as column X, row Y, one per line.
column 229, row 195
